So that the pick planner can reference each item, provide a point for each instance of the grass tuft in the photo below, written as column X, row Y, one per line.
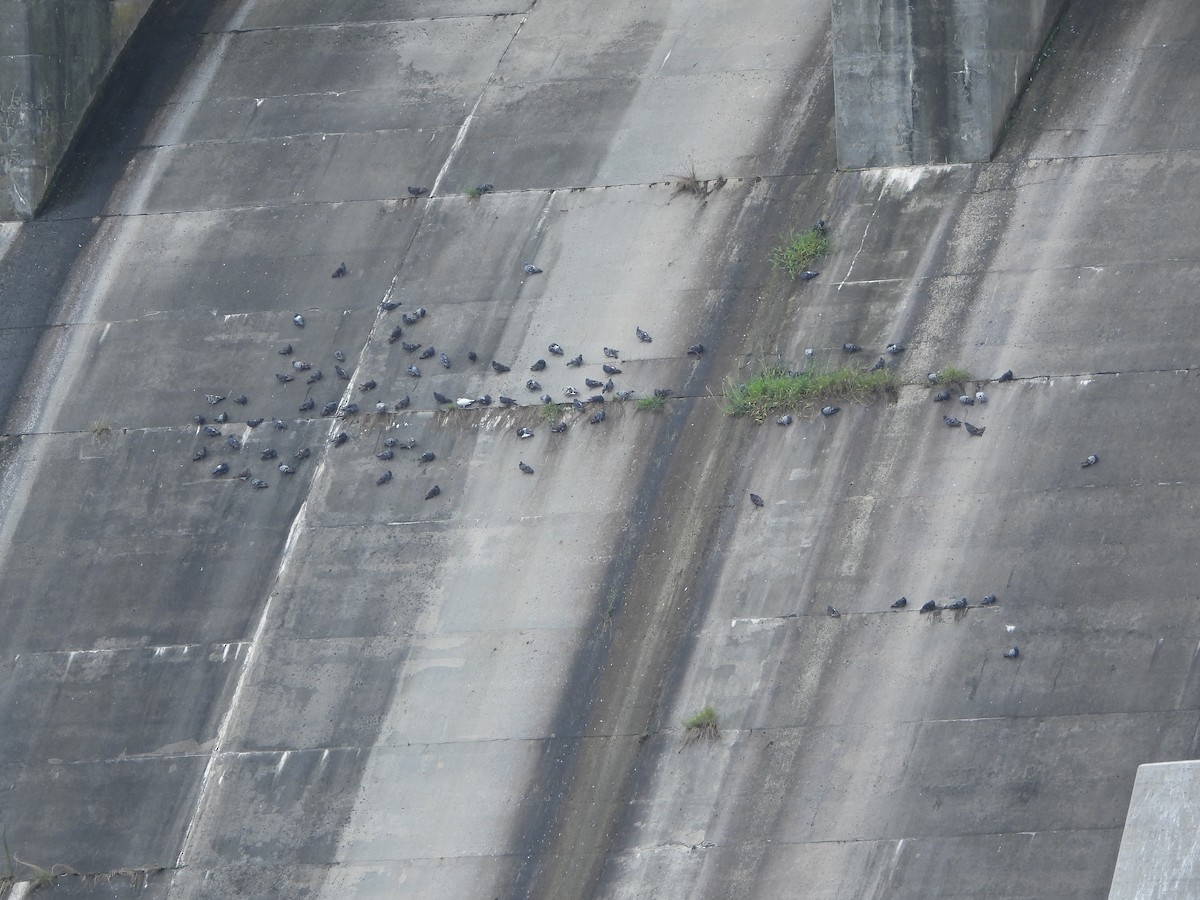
column 550, row 412
column 651, row 404
column 776, row 389
column 952, row 375
column 799, row 250
column 701, row 727
column 474, row 193
column 100, row 431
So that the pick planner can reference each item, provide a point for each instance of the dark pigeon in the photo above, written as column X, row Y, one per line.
column 314, row 377
column 527, row 469
column 538, row 366
column 960, row 603
column 403, row 404
column 1090, row 461
column 556, row 350
column 396, row 334
column 341, row 373
column 974, row 430
column 879, row 364
column 409, row 348
column 200, row 454
column 524, row 432
column 696, row 350
column 388, row 305
column 417, row 191
column 258, row 483
column 254, row 423
column 298, row 320
column 610, row 353
column 941, row 396
column 339, row 355
column 532, row 385
column 440, row 398
column 282, row 379
column 820, row 228
column 222, row 417
column 350, row 409
column 597, row 418
column 485, row 188
column 340, row 438
column 642, row 335
column 1012, row 652
column 531, row 269
column 241, row 400
column 472, row 356
column 663, row 392
column 369, row 385
column 951, row 421
column 384, row 478
column 302, row 453
column 221, row 469
column 214, row 399
column 427, row 353
column 596, row 398
column 609, row 387
column 269, row 453
column 988, row 600
column 610, row 370
column 1007, row 376
column 444, row 360
column 285, row 350
column 340, row 271
column 244, row 474
column 407, row 445
column 433, row 492
column 413, row 371
column 850, row 347
column 830, row 410
column 385, row 454
column 500, row 368
column 233, row 443
column 279, row 424
column 757, row 500
column 808, row 275
column 576, row 362
column 930, row 606
column 559, row 428
column 212, row 432
column 329, row 408
column 832, row 613
column 199, row 420
column 784, row 420
column 894, row 348
column 593, row 383
column 901, row 603
column 485, row 400
column 507, row 401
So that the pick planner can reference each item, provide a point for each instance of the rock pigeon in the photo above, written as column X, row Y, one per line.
column 282, row 379
column 485, row 400
column 1090, row 461
column 951, row 421
column 533, row 386
column 1012, row 652
column 463, row 402
column 593, row 383
column 416, row 191
column 244, row 474
column 808, row 352
column 233, row 443
column 524, row 432
column 597, row 418
column 241, row 400
column 507, row 401
column 830, row 410
column 500, row 368
column 388, row 305
column 269, row 453
column 642, row 335
column 222, row 417
column 879, row 364
column 407, row 445
column 933, row 377
column 341, row 373
column 980, row 397
column 212, row 432
column 988, row 600
column 200, row 454
column 340, row 438
column 556, row 350
column 279, row 424
column 384, row 478
column 808, row 275
column 329, row 408
column 426, row 457
column 199, row 420
column 894, row 348
column 254, row 423
column 285, row 350
column 302, row 453
column 440, row 398
column 570, row 391
column 820, row 228
column 850, row 347
column 531, row 269
column 298, row 320
column 538, row 366
column 576, row 362
column 941, row 396
column 527, row 469
column 433, row 492
column 696, row 350
column 410, row 319
column 409, row 348
column 340, row 271
column 930, row 606
column 221, row 469
column 339, row 355
column 596, row 398
column 445, row 360
column 314, row 377
column 472, row 356
column 832, row 613
column 286, row 469
column 960, row 603
column 784, row 420
column 757, row 500
column 559, row 428
column 413, row 371
column 663, row 392
column 385, row 454
column 258, row 483
column 396, row 334
column 485, row 188
column 901, row 603
column 403, row 404
column 624, row 395
column 214, row 399
column 610, row 353
column 966, row 400
column 973, row 430
column 427, row 353
column 1007, row 376
column 609, row 386
column 368, row 385
column 610, row 370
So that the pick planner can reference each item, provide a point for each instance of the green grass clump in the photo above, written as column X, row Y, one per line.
column 776, row 390
column 952, row 375
column 799, row 250
column 474, row 193
column 702, row 726
column 651, row 404
column 550, row 412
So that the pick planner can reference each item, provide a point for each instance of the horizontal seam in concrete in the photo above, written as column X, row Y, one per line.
column 373, row 23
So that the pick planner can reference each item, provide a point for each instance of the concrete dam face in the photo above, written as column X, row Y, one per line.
column 304, row 262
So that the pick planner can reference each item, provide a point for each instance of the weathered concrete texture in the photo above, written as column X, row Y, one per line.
column 931, row 81
column 54, row 56
column 1160, row 847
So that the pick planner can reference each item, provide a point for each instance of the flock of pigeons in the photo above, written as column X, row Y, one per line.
column 590, row 406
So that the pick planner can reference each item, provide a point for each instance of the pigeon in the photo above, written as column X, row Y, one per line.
column 960, row 603
column 973, row 430
column 350, row 409
column 241, row 400
column 485, row 188
column 279, row 424
column 610, row 353
column 409, row 348
column 941, row 396
column 524, row 432
column 597, row 418
column 339, row 355
column 485, row 400
column 302, row 453
column 807, row 275
column 981, row 397
column 427, row 457
column 696, row 350
column 879, row 364
column 951, row 421
column 527, row 469
column 624, row 395
column 258, row 483
column 894, row 348
column 385, row 454
column 533, row 386
column 933, row 377
column 830, row 410
column 283, row 379
column 408, row 445
column 808, row 352
column 930, row 606
column 384, row 478
column 341, row 373
column 285, row 350
column 301, row 366
column 507, row 401
column 340, row 271
column 988, row 600
column 432, row 492
column 641, row 335
column 233, row 443
column 784, row 420
column 199, row 420
column 440, row 398
column 388, row 305
column 832, row 613
column 850, row 347
column 609, row 387
column 403, row 404
column 538, row 366
column 593, row 383
column 531, row 269
column 559, row 428
column 610, row 370
column 499, row 368
column 329, row 408
column 1090, row 461
column 200, row 454
column 966, row 400
column 578, row 404
column 340, row 438
column 314, row 377
column 390, row 442
column 221, row 469
column 413, row 371
column 212, row 432
column 244, row 474
column 472, row 356
column 576, row 362
column 663, row 392
column 556, row 350
column 298, row 320
column 570, row 392
column 269, row 453
column 222, row 417
column 214, row 399
column 820, row 228
column 1007, row 376
column 1012, row 652
column 427, row 353
column 410, row 319
column 757, row 500
column 368, row 385
column 396, row 334
column 445, row 360
column 463, row 402
column 286, row 469
column 254, row 423
column 416, row 191
column 901, row 603
column 596, row 398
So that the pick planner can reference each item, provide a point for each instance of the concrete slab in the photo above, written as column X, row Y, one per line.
column 1158, row 842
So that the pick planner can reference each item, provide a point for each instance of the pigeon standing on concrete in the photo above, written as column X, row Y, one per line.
column 610, row 353
column 757, row 500
column 527, row 469
column 556, row 350
column 531, row 269
column 426, row 457
column 642, row 336
column 298, row 320
column 960, row 603
column 850, row 347
column 433, row 492
column 576, row 362
column 610, row 369
column 416, row 191
column 879, row 364
column 966, row 400
column 413, row 371
column 1012, row 652
column 830, row 410
column 941, row 396
column 340, row 271
column 385, row 477
column 901, row 603
column 221, row 469
column 929, row 606
column 894, row 348
column 1090, row 461
column 1007, row 376
column 784, row 420
column 974, row 430
column 988, row 600
column 500, row 368
column 951, row 421
column 832, row 613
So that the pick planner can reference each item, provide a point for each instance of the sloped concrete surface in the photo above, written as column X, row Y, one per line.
column 332, row 688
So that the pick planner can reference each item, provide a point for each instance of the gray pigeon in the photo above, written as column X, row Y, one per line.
column 384, row 478
column 368, row 385
column 1012, row 652
column 340, row 271
column 524, row 432
column 593, row 383
column 642, row 335
column 339, row 355
column 576, row 362
column 240, row 400
column 391, row 442
column 388, row 305
column 879, row 364
column 485, row 188
column 500, row 368
column 757, row 500
column 340, row 438
column 901, row 603
column 254, row 423
column 269, row 453
column 221, row 469
column 929, row 606
column 1007, row 376
column 258, row 483
column 314, row 377
column 894, row 348
column 830, row 410
column 302, row 453
column 988, row 600
column 396, row 334
column 974, row 430
column 301, row 366
column 244, row 474
column 533, row 386
column 427, row 353
column 808, row 275
column 531, row 269
column 960, row 603
column 440, row 398
column 283, row 379
column 527, row 469
column 341, row 373
column 212, row 432
column 329, row 408
column 403, row 404
column 833, row 613
column 200, row 454
column 538, row 366
column 222, row 417
column 214, row 399
column 445, row 360
column 559, row 428
column 285, row 350
column 416, row 191
column 1090, row 461
column 298, row 320
column 286, row 469
column 966, row 400
column 597, row 418
column 610, row 353
column 556, row 350
column 414, row 371
column 426, row 457
column 784, row 420
column 951, row 421
column 350, row 409
column 696, row 350
column 433, row 492
column 546, row 399
column 850, row 347
column 279, row 424
column 385, row 454
column 409, row 348
column 233, row 443
column 941, row 396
